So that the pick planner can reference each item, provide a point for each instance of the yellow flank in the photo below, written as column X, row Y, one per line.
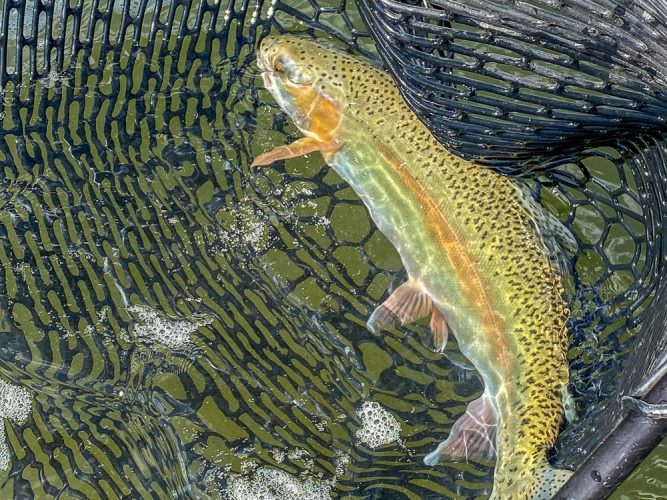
column 458, row 251
column 470, row 240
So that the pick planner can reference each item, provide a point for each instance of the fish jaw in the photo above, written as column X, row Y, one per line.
column 300, row 94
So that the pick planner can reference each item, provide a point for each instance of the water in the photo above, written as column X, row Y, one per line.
column 647, row 482
column 187, row 327
column 182, row 322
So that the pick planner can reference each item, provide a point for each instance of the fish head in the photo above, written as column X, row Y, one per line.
column 305, row 78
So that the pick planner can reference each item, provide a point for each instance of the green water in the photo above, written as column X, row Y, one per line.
column 648, row 481
column 184, row 326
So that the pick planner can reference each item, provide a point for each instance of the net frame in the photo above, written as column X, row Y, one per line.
column 168, row 29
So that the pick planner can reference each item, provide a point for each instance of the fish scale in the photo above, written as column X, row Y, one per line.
column 466, row 237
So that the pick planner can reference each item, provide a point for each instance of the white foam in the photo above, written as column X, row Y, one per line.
column 278, row 455
column 342, row 464
column 378, row 426
column 173, row 334
column 257, row 482
column 15, row 402
column 15, row 405
column 274, row 484
column 297, row 454
column 5, row 456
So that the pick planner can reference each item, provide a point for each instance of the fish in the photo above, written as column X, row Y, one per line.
column 473, row 243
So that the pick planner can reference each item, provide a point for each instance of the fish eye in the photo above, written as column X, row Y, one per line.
column 278, row 67
column 284, row 66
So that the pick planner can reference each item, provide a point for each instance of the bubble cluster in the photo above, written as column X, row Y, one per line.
column 5, row 457
column 342, row 464
column 15, row 404
column 297, row 454
column 278, row 455
column 172, row 334
column 246, row 225
column 274, row 484
column 378, row 426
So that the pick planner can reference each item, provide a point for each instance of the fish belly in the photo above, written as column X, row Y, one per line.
column 400, row 217
column 517, row 347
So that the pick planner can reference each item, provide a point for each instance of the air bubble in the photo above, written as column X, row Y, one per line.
column 274, row 484
column 378, row 426
column 15, row 405
column 172, row 334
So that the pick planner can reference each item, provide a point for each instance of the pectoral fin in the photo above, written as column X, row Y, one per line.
column 439, row 330
column 408, row 303
column 299, row 147
column 472, row 436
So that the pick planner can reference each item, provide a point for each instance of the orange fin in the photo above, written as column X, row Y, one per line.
column 472, row 436
column 408, row 303
column 439, row 330
column 299, row 147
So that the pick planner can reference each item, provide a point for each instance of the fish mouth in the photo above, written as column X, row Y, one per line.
column 262, row 64
column 264, row 69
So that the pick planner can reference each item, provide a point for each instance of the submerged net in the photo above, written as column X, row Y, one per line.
column 506, row 81
column 185, row 327
column 531, row 89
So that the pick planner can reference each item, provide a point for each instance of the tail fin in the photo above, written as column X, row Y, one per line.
column 551, row 480
column 540, row 483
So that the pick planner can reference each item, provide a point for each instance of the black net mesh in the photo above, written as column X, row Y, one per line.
column 506, row 81
column 517, row 86
column 185, row 325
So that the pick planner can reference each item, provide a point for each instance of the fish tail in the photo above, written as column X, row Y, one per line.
column 551, row 480
column 539, row 482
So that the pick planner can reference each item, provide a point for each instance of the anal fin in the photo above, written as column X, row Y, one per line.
column 472, row 436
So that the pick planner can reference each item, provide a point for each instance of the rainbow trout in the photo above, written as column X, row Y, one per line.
column 473, row 245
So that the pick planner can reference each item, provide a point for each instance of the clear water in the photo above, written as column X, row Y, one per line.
column 187, row 327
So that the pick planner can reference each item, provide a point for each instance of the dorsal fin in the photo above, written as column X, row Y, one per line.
column 558, row 239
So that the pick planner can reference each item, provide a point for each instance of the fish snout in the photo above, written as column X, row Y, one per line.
column 264, row 52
